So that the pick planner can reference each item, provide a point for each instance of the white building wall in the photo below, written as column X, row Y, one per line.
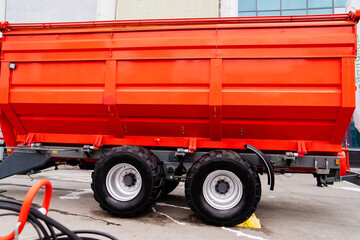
column 2, row 10
column 229, row 8
column 25, row 11
column 159, row 9
column 106, row 10
column 30, row 11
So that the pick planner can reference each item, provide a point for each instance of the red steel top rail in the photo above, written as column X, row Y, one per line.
column 305, row 18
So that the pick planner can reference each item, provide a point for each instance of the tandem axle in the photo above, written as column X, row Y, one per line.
column 172, row 159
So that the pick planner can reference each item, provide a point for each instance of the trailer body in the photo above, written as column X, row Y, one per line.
column 223, row 83
column 180, row 88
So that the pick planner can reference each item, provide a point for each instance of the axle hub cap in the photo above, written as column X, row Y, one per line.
column 222, row 190
column 129, row 180
column 123, row 182
column 222, row 187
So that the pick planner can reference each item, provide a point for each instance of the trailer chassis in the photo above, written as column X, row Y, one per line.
column 129, row 179
column 37, row 156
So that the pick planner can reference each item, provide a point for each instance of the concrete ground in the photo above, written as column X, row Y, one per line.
column 297, row 209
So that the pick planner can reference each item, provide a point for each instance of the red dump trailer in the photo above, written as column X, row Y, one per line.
column 212, row 102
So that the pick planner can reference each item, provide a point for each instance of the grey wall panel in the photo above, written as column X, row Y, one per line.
column 26, row 11
column 159, row 9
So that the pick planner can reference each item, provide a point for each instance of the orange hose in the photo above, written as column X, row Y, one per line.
column 25, row 208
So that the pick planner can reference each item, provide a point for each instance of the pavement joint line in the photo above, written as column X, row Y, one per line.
column 172, row 219
column 7, row 197
column 241, row 234
column 85, row 216
column 72, row 214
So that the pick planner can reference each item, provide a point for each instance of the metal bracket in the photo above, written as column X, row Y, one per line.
column 325, row 170
column 98, row 142
column 181, row 152
column 36, row 145
column 192, row 145
column 290, row 157
column 301, row 149
column 29, row 139
column 16, row 230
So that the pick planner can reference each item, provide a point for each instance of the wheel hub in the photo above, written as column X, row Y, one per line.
column 129, row 180
column 123, row 182
column 222, row 187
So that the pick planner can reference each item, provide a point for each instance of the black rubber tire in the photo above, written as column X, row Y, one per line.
column 150, row 169
column 170, row 186
column 230, row 161
column 87, row 166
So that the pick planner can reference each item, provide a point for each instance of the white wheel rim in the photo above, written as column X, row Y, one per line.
column 123, row 182
column 222, row 189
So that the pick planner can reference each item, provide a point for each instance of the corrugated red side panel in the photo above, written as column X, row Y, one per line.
column 222, row 84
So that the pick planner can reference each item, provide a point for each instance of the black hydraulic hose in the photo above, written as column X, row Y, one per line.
column 38, row 215
column 15, row 206
column 36, row 229
column 31, row 222
column 34, row 219
column 51, row 230
column 55, row 224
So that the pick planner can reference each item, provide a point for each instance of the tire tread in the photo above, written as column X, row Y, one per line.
column 217, row 155
column 157, row 174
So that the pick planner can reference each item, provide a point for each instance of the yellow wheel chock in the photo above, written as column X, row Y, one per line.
column 252, row 222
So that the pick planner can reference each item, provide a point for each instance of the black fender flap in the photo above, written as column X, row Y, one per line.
column 19, row 162
column 267, row 163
